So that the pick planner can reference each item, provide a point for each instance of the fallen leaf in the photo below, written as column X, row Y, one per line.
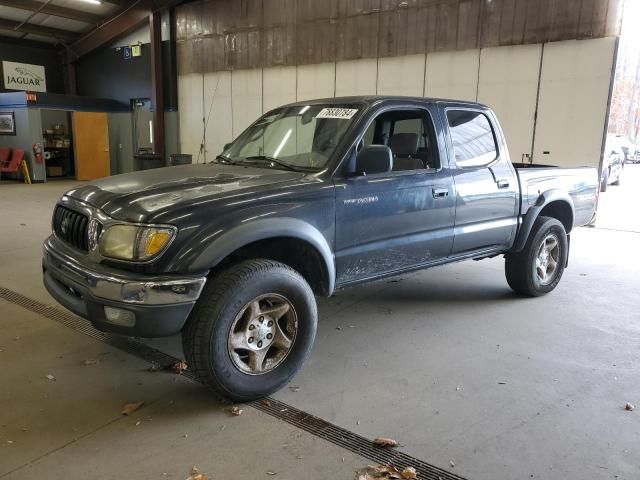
column 129, row 408
column 630, row 407
column 196, row 475
column 91, row 362
column 138, row 423
column 51, row 377
column 179, row 367
column 237, row 411
column 266, row 403
column 269, row 472
column 371, row 472
column 409, row 473
column 385, row 442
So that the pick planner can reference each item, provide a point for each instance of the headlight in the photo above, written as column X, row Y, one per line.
column 132, row 242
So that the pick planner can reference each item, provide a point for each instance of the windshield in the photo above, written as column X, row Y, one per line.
column 300, row 138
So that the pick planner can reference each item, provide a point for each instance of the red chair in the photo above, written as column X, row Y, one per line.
column 5, row 153
column 15, row 164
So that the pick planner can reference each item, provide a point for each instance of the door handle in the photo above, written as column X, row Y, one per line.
column 503, row 183
column 440, row 192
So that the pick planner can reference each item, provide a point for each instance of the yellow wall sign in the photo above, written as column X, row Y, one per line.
column 136, row 50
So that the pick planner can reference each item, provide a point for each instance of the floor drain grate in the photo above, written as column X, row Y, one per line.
column 309, row 423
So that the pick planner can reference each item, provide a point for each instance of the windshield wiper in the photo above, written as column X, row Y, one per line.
column 273, row 160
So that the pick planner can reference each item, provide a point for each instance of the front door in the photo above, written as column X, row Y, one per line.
column 401, row 219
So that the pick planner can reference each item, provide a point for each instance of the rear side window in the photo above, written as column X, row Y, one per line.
column 474, row 143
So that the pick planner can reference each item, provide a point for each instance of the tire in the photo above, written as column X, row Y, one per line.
column 521, row 268
column 250, row 296
column 605, row 181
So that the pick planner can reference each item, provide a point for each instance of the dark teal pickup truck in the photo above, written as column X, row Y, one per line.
column 314, row 196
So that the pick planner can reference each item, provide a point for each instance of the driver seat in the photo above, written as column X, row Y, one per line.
column 404, row 147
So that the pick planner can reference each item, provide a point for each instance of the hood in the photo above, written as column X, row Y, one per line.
column 140, row 195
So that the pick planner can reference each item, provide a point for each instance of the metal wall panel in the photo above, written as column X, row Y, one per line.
column 218, row 113
column 572, row 107
column 356, row 77
column 278, row 87
column 246, row 98
column 401, row 75
column 240, row 34
column 316, row 81
column 191, row 112
column 452, row 75
column 508, row 83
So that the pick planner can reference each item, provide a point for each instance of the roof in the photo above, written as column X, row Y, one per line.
column 375, row 99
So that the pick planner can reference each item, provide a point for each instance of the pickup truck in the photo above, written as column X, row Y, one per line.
column 312, row 197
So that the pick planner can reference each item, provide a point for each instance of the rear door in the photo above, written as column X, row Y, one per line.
column 400, row 219
column 486, row 199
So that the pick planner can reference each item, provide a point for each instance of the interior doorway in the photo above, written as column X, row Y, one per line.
column 57, row 144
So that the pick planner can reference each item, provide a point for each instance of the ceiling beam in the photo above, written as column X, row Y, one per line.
column 122, row 23
column 62, row 35
column 55, row 10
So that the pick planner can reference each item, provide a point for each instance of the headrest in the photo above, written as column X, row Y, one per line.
column 404, row 144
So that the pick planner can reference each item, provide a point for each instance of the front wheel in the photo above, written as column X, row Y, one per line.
column 251, row 330
column 537, row 269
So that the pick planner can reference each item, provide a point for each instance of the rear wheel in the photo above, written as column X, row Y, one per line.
column 251, row 330
column 537, row 269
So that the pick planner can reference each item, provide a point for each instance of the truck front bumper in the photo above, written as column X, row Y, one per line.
column 119, row 302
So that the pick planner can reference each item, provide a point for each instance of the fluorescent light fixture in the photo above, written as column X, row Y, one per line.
column 93, row 2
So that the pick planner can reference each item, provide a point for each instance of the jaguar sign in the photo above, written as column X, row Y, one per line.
column 23, row 76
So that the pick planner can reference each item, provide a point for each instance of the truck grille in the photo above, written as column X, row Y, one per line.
column 72, row 227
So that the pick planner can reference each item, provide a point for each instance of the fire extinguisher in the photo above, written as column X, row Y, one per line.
column 37, row 152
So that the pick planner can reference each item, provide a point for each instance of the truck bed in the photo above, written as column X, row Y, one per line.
column 581, row 183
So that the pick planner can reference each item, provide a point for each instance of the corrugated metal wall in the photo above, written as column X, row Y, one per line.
column 215, row 35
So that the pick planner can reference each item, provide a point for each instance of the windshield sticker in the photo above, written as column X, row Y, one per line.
column 343, row 113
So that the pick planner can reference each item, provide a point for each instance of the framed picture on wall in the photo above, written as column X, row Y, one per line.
column 7, row 123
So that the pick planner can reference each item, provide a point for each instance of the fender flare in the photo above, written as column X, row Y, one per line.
column 533, row 213
column 219, row 247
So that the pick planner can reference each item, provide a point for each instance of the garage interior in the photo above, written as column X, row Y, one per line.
column 471, row 379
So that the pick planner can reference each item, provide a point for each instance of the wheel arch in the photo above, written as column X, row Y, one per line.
column 552, row 203
column 290, row 241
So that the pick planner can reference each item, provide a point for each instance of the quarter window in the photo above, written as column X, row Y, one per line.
column 474, row 143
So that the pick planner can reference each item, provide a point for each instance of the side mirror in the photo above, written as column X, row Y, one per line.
column 226, row 145
column 374, row 159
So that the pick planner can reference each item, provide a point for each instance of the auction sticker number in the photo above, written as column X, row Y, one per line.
column 344, row 113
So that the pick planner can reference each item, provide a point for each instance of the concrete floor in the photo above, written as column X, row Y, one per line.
column 448, row 361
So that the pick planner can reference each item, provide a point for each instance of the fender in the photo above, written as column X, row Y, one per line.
column 533, row 213
column 222, row 245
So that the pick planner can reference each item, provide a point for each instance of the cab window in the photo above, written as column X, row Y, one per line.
column 474, row 143
column 410, row 136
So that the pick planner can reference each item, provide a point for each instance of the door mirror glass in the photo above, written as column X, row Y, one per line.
column 374, row 159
